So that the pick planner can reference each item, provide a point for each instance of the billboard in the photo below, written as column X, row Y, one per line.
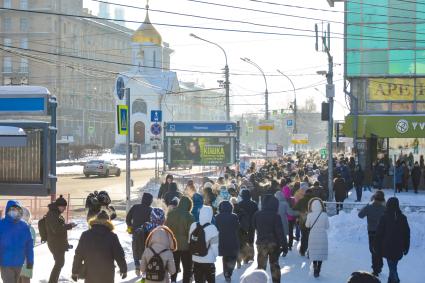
column 201, row 150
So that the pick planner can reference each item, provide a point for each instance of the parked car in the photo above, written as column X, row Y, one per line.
column 101, row 168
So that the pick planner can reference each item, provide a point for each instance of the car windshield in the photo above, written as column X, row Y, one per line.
column 95, row 161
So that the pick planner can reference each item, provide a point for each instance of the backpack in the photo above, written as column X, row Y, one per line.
column 42, row 229
column 155, row 270
column 197, row 243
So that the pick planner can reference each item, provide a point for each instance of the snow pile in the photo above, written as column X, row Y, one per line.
column 347, row 228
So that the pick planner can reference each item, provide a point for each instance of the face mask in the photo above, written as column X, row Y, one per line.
column 13, row 214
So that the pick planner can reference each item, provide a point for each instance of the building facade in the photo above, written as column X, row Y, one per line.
column 77, row 59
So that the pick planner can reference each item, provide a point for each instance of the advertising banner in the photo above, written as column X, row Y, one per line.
column 382, row 89
column 201, row 150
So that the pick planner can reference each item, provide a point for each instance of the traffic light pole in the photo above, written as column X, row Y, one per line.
column 127, row 153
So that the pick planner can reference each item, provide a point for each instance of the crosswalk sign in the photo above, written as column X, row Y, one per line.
column 122, row 118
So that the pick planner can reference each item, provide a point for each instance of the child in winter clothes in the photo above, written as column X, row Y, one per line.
column 26, row 273
column 160, row 239
column 204, row 266
column 318, row 223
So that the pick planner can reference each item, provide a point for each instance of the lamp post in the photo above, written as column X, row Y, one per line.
column 266, row 94
column 294, row 131
column 226, row 74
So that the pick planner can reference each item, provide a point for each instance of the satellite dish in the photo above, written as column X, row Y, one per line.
column 120, row 88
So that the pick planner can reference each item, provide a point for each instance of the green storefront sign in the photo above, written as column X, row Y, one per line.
column 387, row 126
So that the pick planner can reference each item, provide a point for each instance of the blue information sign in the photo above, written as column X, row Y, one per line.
column 156, row 116
column 156, row 129
column 289, row 123
column 23, row 104
column 201, row 127
column 120, row 86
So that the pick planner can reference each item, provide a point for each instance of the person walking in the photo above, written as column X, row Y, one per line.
column 228, row 238
column 399, row 177
column 271, row 241
column 179, row 221
column 136, row 218
column 340, row 190
column 97, row 250
column 416, row 177
column 392, row 239
column 198, row 202
column 160, row 242
column 163, row 190
column 373, row 212
column 204, row 265
column 172, row 193
column 291, row 218
column 406, row 175
column 57, row 235
column 302, row 207
column 284, row 211
column 358, row 177
column 16, row 243
column 246, row 210
column 318, row 224
column 26, row 273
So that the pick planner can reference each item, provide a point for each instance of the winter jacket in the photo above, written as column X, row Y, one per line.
column 399, row 175
column 406, row 173
column 228, row 230
column 222, row 195
column 416, row 175
column 291, row 201
column 163, row 189
column 25, row 271
column 160, row 240
column 392, row 238
column 198, row 202
column 179, row 221
column 318, row 237
column 340, row 189
column 171, row 194
column 139, row 214
column 57, row 230
column 97, row 249
column 16, row 243
column 284, row 210
column 268, row 224
column 373, row 212
column 211, row 236
column 209, row 196
column 302, row 207
column 358, row 178
column 323, row 179
column 250, row 208
column 319, row 192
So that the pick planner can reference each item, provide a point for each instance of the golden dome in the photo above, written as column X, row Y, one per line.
column 147, row 33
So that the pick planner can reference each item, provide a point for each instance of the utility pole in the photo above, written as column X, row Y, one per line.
column 330, row 94
column 127, row 153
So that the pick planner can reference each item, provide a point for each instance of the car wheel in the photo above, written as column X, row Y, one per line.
column 87, row 175
column 106, row 174
column 118, row 173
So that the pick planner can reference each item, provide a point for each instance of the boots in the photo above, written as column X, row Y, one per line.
column 316, row 267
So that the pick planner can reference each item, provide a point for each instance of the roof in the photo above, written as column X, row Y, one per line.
column 147, row 33
column 4, row 90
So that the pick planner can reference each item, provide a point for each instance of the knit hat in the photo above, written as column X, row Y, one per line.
column 256, row 276
column 147, row 199
column 60, row 201
column 103, row 215
column 208, row 185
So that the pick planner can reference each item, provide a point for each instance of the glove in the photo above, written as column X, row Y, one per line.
column 30, row 265
column 123, row 275
column 129, row 230
column 74, row 277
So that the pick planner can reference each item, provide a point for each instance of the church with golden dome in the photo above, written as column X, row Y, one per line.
column 155, row 86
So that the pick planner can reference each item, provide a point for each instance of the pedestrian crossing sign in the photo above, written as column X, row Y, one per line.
column 122, row 119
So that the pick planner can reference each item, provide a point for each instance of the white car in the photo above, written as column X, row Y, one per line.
column 101, row 168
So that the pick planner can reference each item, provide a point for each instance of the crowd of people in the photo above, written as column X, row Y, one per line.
column 266, row 211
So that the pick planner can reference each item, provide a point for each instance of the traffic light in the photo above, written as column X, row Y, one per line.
column 325, row 111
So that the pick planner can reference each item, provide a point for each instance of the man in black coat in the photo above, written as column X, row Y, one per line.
column 165, row 186
column 96, row 252
column 358, row 177
column 340, row 189
column 138, row 215
column 57, row 235
column 416, row 176
column 246, row 209
column 392, row 239
column 271, row 241
column 228, row 237
column 374, row 212
column 171, row 194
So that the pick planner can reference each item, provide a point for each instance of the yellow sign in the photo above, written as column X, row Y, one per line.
column 122, row 119
column 391, row 89
column 299, row 139
column 266, row 125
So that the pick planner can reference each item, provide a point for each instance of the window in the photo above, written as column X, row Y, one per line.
column 24, row 65
column 7, row 3
column 7, row 24
column 7, row 42
column 24, row 43
column 24, row 5
column 139, row 106
column 24, row 24
column 7, row 65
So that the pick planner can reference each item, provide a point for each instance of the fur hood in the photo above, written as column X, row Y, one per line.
column 103, row 222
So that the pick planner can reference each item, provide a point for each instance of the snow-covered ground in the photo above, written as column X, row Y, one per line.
column 119, row 159
column 348, row 251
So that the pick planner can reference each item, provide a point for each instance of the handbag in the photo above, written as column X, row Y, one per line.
column 315, row 221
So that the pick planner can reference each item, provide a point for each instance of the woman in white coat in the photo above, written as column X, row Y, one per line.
column 318, row 223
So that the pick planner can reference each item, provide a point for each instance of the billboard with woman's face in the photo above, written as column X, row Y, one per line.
column 201, row 150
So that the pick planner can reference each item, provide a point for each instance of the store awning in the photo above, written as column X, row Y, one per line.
column 386, row 126
column 12, row 137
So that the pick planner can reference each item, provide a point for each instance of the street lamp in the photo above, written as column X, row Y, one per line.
column 226, row 75
column 266, row 94
column 294, row 131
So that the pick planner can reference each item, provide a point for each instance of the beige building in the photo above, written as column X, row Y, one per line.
column 71, row 57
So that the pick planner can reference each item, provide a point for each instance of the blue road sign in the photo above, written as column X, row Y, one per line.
column 120, row 86
column 201, row 127
column 156, row 116
column 289, row 123
column 156, row 129
column 122, row 115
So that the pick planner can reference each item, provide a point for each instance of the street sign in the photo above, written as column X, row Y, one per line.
column 266, row 125
column 156, row 116
column 122, row 116
column 205, row 127
column 156, row 129
column 289, row 123
column 23, row 100
column 323, row 153
column 120, row 86
column 299, row 139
